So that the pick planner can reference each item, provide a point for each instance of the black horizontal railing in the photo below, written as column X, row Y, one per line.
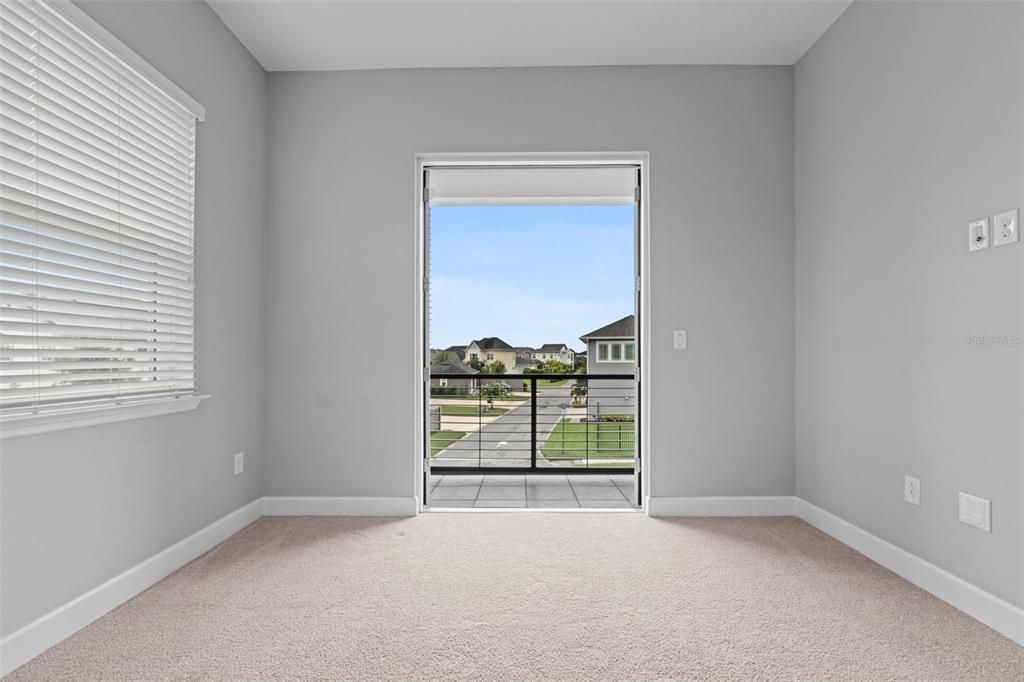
column 540, row 423
column 549, row 377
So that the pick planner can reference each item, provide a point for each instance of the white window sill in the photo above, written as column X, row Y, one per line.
column 16, row 426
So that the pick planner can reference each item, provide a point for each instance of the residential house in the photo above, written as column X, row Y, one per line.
column 611, row 349
column 459, row 384
column 491, row 349
column 555, row 351
column 524, row 359
column 452, row 353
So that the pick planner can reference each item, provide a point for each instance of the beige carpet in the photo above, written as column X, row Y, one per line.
column 532, row 597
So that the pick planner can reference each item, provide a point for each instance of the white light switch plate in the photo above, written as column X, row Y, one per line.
column 912, row 490
column 975, row 511
column 1006, row 228
column 679, row 339
column 239, row 462
column 977, row 235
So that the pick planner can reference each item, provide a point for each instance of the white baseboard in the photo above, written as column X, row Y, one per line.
column 1000, row 615
column 721, row 506
column 340, row 506
column 31, row 640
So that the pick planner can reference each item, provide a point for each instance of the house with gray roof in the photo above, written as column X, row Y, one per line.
column 460, row 384
column 524, row 359
column 456, row 353
column 491, row 349
column 555, row 351
column 611, row 349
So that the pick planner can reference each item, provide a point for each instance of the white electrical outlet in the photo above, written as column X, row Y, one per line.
column 239, row 462
column 912, row 490
column 1005, row 228
column 975, row 511
column 977, row 235
column 679, row 339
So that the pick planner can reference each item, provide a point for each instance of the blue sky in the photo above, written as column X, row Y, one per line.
column 529, row 274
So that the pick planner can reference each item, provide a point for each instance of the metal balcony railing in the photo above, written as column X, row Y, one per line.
column 541, row 423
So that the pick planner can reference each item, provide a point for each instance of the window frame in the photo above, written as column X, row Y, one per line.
column 61, row 417
column 620, row 346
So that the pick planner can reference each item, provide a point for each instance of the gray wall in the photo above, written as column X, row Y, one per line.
column 81, row 506
column 341, row 264
column 910, row 124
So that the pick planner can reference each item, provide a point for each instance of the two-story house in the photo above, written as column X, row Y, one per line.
column 490, row 349
column 524, row 360
column 611, row 349
column 555, row 351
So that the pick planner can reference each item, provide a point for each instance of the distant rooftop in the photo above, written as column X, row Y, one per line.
column 450, row 367
column 492, row 343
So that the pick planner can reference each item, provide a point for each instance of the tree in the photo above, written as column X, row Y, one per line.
column 438, row 357
column 556, row 367
column 475, row 363
column 494, row 367
column 580, row 364
column 579, row 391
column 494, row 390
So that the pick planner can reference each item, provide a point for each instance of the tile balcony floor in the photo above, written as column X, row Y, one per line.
column 532, row 491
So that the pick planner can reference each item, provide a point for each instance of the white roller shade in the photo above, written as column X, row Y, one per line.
column 532, row 185
column 96, row 222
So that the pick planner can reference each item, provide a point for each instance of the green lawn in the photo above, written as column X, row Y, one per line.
column 476, row 398
column 542, row 383
column 472, row 410
column 575, row 440
column 439, row 440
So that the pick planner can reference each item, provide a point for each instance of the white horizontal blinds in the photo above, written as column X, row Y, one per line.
column 532, row 185
column 96, row 222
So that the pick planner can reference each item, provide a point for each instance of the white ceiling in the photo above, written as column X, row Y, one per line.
column 317, row 35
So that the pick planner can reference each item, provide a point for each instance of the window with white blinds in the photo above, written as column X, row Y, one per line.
column 96, row 222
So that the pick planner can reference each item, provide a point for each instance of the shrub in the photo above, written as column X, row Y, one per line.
column 494, row 390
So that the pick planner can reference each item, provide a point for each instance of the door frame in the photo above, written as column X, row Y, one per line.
column 420, row 379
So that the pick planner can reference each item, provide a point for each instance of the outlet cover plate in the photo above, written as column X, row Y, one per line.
column 239, row 462
column 975, row 511
column 1006, row 228
column 977, row 235
column 912, row 490
column 679, row 339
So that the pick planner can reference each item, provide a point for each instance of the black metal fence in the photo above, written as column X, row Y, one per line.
column 538, row 423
